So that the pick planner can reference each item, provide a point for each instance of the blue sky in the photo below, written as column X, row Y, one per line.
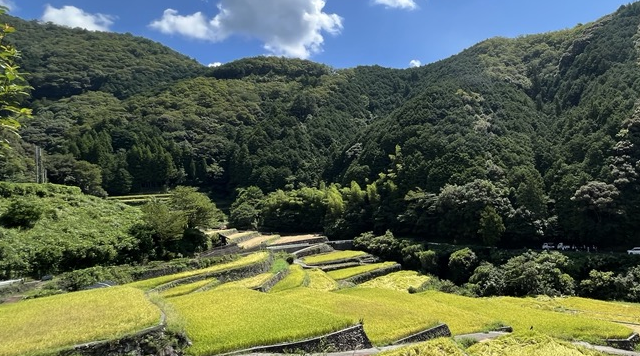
column 340, row 33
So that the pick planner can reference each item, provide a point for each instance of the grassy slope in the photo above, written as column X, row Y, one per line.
column 230, row 319
column 74, row 231
column 64, row 320
column 151, row 283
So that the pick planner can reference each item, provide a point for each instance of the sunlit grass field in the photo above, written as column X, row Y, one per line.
column 387, row 315
column 295, row 278
column 187, row 288
column 318, row 279
column 252, row 282
column 225, row 320
column 597, row 309
column 345, row 273
column 520, row 344
column 151, row 283
column 400, row 281
column 529, row 344
column 68, row 319
column 522, row 314
column 332, row 256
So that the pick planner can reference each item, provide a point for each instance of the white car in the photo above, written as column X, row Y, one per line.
column 634, row 251
column 548, row 246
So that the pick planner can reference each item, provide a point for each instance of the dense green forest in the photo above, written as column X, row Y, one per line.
column 511, row 142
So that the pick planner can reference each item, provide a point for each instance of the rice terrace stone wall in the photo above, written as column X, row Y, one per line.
column 233, row 274
column 441, row 330
column 156, row 341
column 349, row 339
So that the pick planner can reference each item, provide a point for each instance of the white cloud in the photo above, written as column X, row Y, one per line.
column 398, row 4
column 292, row 28
column 415, row 63
column 214, row 64
column 72, row 16
column 9, row 4
column 194, row 26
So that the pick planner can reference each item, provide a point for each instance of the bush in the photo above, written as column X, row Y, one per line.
column 487, row 280
column 22, row 212
column 461, row 265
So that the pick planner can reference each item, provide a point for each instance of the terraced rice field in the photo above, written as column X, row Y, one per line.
column 387, row 315
column 522, row 314
column 249, row 283
column 295, row 278
column 258, row 240
column 241, row 235
column 151, row 283
column 187, row 288
column 319, row 280
column 345, row 273
column 528, row 344
column 332, row 257
column 596, row 309
column 225, row 320
column 64, row 320
column 293, row 239
column 400, row 281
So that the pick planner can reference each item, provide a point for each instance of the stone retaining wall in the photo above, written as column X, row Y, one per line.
column 352, row 338
column 229, row 249
column 363, row 277
column 233, row 274
column 313, row 250
column 441, row 330
column 309, row 241
column 341, row 245
column 155, row 341
column 266, row 286
column 625, row 344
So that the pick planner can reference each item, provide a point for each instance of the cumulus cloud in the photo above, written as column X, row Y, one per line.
column 415, row 63
column 292, row 28
column 214, row 64
column 398, row 4
column 9, row 4
column 72, row 16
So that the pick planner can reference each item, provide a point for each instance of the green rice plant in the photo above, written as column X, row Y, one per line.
column 295, row 278
column 252, row 282
column 292, row 239
column 60, row 321
column 521, row 314
column 151, row 283
column 400, row 281
column 345, row 273
column 593, row 308
column 332, row 256
column 529, row 344
column 387, row 315
column 187, row 288
column 318, row 279
column 258, row 240
column 218, row 321
column 438, row 347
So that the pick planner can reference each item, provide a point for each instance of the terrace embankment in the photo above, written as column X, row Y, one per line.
column 156, row 341
column 349, row 339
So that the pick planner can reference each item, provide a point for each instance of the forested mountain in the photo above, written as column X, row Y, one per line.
column 510, row 141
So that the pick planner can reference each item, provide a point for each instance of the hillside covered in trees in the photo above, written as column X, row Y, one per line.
column 512, row 141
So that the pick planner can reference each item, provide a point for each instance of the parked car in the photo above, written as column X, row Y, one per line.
column 548, row 246
column 563, row 247
column 634, row 251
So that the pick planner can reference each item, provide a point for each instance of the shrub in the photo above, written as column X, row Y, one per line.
column 22, row 212
column 461, row 265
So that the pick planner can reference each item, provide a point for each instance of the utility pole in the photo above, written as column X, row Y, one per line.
column 41, row 172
